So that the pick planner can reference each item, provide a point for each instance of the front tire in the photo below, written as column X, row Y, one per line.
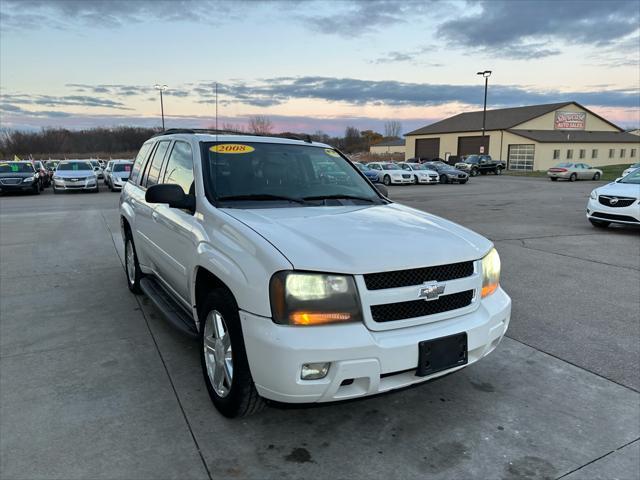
column 131, row 265
column 599, row 223
column 386, row 180
column 573, row 177
column 415, row 179
column 444, row 179
column 498, row 171
column 596, row 176
column 553, row 179
column 36, row 190
column 474, row 172
column 462, row 182
column 224, row 358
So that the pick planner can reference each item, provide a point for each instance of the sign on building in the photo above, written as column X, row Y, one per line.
column 570, row 120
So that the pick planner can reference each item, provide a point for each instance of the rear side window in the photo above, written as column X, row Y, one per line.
column 153, row 171
column 179, row 168
column 139, row 162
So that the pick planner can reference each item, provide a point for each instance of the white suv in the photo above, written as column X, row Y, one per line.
column 245, row 243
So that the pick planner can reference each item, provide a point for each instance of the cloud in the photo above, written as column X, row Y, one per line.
column 413, row 56
column 277, row 91
column 14, row 109
column 112, row 89
column 68, row 100
column 517, row 27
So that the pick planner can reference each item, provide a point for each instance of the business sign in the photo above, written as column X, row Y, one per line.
column 570, row 120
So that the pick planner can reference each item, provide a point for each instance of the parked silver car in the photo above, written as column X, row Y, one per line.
column 420, row 173
column 573, row 171
column 117, row 174
column 97, row 168
column 75, row 175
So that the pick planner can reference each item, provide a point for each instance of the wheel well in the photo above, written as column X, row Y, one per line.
column 205, row 282
column 125, row 225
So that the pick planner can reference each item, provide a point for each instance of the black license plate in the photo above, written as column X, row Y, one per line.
column 441, row 354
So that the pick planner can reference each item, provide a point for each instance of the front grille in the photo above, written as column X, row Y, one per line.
column 10, row 181
column 420, row 308
column 417, row 276
column 404, row 175
column 462, row 176
column 618, row 202
column 610, row 216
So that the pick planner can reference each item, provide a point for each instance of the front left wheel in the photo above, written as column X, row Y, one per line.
column 596, row 176
column 224, row 359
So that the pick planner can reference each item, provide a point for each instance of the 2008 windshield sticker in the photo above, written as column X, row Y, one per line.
column 331, row 153
column 233, row 148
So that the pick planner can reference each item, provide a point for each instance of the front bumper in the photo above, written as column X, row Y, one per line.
column 375, row 361
column 20, row 187
column 78, row 185
column 401, row 181
column 626, row 215
column 428, row 179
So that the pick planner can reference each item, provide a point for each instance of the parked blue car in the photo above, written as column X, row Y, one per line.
column 369, row 173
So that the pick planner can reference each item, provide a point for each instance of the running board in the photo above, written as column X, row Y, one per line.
column 169, row 308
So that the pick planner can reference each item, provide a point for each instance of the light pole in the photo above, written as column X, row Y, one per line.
column 486, row 74
column 162, row 88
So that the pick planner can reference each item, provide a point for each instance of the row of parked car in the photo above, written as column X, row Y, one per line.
column 35, row 176
column 412, row 172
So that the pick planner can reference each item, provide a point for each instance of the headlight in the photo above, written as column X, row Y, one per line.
column 490, row 273
column 30, row 179
column 593, row 195
column 56, row 177
column 299, row 298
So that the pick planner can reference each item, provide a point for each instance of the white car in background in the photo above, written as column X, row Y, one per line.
column 617, row 202
column 117, row 174
column 97, row 168
column 391, row 173
column 420, row 173
column 630, row 169
column 75, row 175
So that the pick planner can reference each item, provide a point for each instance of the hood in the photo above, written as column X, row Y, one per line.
column 358, row 240
column 74, row 173
column 620, row 189
column 17, row 174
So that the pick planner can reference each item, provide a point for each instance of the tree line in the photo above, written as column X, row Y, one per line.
column 56, row 142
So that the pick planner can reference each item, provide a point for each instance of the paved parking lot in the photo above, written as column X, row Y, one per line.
column 94, row 384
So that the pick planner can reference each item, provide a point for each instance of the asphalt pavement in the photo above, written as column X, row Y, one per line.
column 95, row 384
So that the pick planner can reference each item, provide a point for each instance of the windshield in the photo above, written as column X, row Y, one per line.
column 122, row 167
column 75, row 166
column 635, row 165
column 418, row 167
column 51, row 164
column 471, row 159
column 390, row 166
column 438, row 166
column 237, row 173
column 38, row 165
column 16, row 167
column 95, row 163
column 361, row 166
column 633, row 177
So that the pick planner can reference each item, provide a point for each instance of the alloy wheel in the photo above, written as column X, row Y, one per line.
column 218, row 354
column 130, row 262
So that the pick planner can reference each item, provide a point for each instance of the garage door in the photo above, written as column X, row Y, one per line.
column 520, row 157
column 471, row 145
column 428, row 148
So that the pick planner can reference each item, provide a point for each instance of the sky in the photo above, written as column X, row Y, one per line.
column 311, row 65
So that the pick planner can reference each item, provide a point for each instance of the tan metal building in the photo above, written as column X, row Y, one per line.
column 388, row 146
column 528, row 138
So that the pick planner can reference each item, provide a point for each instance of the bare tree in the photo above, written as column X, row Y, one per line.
column 392, row 129
column 260, row 124
column 232, row 127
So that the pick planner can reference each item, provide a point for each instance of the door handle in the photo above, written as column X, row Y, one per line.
column 154, row 215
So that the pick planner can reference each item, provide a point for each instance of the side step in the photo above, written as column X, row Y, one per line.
column 171, row 310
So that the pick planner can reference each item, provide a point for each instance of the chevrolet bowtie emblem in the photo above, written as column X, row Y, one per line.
column 431, row 291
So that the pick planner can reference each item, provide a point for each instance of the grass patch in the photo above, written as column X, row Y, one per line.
column 609, row 172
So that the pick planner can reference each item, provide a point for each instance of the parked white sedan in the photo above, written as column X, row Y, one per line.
column 630, row 169
column 420, row 173
column 391, row 173
column 617, row 202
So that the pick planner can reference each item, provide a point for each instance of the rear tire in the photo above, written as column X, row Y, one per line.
column 573, row 177
column 131, row 265
column 224, row 362
column 599, row 223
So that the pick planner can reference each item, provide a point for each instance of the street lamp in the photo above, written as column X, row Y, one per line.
column 486, row 74
column 162, row 88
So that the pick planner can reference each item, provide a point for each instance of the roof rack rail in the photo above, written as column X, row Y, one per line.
column 290, row 136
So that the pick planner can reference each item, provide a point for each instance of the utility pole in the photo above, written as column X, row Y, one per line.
column 486, row 74
column 162, row 88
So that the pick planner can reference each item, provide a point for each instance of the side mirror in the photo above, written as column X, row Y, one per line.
column 618, row 179
column 171, row 194
column 382, row 189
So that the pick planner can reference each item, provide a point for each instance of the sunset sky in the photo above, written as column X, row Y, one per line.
column 310, row 65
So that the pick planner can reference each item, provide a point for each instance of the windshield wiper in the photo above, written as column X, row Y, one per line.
column 338, row 197
column 261, row 196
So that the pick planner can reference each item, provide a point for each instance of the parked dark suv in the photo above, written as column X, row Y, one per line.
column 480, row 165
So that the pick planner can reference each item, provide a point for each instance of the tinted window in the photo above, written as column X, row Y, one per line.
column 75, row 166
column 122, row 167
column 153, row 171
column 139, row 161
column 180, row 166
column 15, row 167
